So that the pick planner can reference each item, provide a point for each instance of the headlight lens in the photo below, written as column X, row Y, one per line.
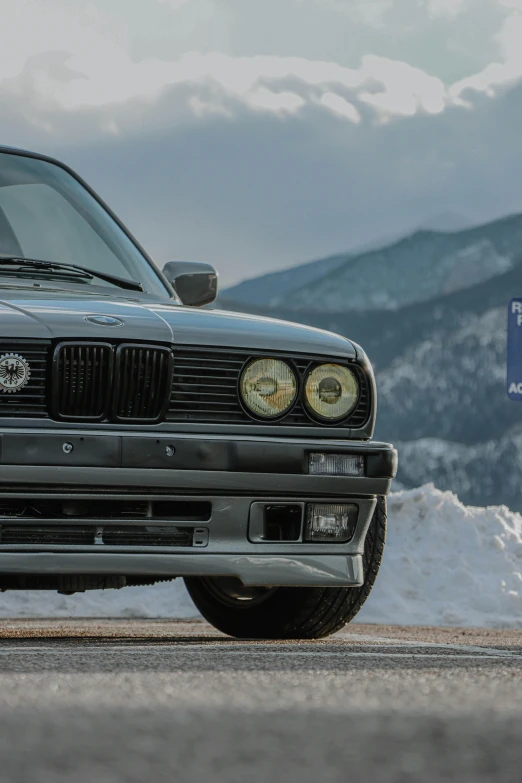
column 268, row 387
column 331, row 391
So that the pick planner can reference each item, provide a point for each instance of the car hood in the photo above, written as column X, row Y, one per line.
column 58, row 315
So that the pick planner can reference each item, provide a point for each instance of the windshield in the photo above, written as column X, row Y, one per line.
column 45, row 213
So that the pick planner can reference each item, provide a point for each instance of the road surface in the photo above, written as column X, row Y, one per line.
column 105, row 701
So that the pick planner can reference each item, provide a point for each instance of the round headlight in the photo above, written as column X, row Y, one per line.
column 331, row 391
column 268, row 387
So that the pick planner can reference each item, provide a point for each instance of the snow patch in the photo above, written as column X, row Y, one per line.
column 448, row 564
column 445, row 564
column 165, row 599
column 474, row 264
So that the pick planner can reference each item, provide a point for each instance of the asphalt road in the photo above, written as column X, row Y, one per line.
column 153, row 701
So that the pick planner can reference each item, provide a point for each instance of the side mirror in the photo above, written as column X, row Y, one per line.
column 196, row 284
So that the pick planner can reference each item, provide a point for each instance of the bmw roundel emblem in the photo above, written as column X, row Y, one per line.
column 15, row 373
column 103, row 320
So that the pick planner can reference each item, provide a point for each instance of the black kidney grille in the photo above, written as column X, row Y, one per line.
column 143, row 382
column 82, row 377
column 205, row 389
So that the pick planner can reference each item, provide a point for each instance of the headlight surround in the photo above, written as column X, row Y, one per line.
column 331, row 391
column 268, row 387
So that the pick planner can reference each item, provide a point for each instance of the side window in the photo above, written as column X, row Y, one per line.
column 47, row 227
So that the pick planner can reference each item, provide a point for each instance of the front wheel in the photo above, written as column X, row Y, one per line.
column 288, row 612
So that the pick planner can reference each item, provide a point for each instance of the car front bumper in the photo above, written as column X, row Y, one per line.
column 229, row 473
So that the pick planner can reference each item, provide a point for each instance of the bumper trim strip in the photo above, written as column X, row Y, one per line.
column 201, row 481
column 299, row 570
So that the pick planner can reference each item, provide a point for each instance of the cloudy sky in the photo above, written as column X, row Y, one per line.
column 257, row 134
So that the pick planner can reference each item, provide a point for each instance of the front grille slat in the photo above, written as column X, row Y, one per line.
column 135, row 403
column 214, row 395
column 148, row 401
column 128, row 381
column 156, row 374
column 65, row 389
column 95, row 385
column 83, row 364
column 209, row 386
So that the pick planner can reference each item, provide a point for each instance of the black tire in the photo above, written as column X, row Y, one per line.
column 289, row 612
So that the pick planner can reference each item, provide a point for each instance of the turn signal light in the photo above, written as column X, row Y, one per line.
column 336, row 465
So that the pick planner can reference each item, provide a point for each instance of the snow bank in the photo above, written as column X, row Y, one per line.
column 166, row 599
column 445, row 564
column 448, row 564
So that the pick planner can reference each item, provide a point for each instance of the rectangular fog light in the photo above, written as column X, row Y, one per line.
column 331, row 522
column 336, row 464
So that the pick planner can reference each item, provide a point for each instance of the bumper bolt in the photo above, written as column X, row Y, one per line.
column 67, row 448
column 170, row 451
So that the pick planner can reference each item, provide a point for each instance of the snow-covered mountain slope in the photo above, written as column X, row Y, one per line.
column 270, row 289
column 267, row 290
column 483, row 473
column 451, row 387
column 417, row 268
column 445, row 564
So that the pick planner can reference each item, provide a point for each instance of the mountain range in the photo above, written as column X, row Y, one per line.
column 439, row 351
column 413, row 269
column 272, row 288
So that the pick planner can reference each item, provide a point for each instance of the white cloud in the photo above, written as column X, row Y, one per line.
column 196, row 10
column 200, row 107
column 340, row 106
column 448, row 9
column 31, row 29
column 369, row 12
column 406, row 90
column 112, row 78
column 62, row 59
column 500, row 74
column 174, row 3
column 263, row 98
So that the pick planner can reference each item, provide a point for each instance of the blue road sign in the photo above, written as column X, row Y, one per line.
column 514, row 355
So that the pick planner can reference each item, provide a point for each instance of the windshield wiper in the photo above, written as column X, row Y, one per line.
column 85, row 272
